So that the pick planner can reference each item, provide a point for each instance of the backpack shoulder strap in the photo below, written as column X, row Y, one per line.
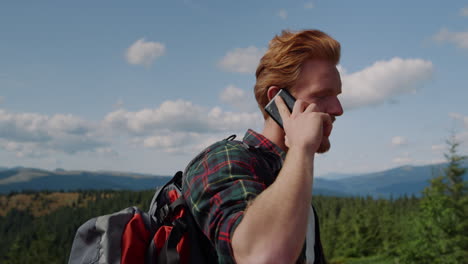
column 156, row 209
column 318, row 249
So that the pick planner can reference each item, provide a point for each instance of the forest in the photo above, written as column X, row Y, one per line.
column 38, row 227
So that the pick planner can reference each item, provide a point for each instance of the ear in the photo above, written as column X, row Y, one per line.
column 272, row 91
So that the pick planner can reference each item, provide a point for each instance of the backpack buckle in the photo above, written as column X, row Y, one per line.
column 163, row 213
column 167, row 211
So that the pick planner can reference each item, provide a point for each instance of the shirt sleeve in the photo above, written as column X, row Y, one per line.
column 218, row 187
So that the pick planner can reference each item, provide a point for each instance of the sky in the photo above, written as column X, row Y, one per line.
column 144, row 86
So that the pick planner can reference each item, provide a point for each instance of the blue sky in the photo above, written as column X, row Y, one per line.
column 144, row 86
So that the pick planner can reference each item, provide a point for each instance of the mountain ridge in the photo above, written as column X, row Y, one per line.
column 395, row 182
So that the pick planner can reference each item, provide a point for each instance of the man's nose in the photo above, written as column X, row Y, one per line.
column 335, row 108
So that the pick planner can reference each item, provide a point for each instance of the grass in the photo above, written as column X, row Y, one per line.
column 40, row 203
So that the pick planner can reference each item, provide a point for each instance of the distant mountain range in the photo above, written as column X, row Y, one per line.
column 19, row 179
column 396, row 182
column 409, row 180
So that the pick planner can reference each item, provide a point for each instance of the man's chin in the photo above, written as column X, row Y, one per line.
column 324, row 146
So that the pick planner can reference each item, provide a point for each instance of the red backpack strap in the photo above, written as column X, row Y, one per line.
column 177, row 237
column 180, row 241
column 169, row 253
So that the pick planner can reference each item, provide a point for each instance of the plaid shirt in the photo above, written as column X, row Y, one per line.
column 222, row 179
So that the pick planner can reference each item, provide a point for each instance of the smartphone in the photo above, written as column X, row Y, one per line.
column 272, row 109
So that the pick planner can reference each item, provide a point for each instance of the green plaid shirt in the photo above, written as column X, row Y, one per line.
column 222, row 179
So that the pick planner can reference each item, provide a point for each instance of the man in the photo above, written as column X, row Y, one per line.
column 252, row 199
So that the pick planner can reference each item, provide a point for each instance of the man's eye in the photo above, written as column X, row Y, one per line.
column 319, row 97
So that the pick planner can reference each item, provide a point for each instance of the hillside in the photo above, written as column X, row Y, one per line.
column 396, row 182
column 19, row 179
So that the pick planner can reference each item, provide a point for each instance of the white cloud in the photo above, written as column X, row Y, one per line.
column 22, row 149
column 237, row 98
column 461, row 136
column 232, row 93
column 383, row 81
column 460, row 117
column 456, row 115
column 32, row 134
column 2, row 99
column 283, row 14
column 464, row 11
column 460, row 39
column 144, row 52
column 181, row 116
column 68, row 124
column 242, row 60
column 437, row 161
column 342, row 70
column 399, row 141
column 403, row 159
column 177, row 115
column 309, row 5
column 180, row 142
column 107, row 151
column 181, row 127
column 167, row 141
column 438, row 147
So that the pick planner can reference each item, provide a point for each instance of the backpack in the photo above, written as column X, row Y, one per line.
column 166, row 234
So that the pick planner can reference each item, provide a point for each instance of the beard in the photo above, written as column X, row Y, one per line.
column 324, row 145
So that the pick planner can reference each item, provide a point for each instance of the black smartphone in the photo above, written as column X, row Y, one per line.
column 272, row 109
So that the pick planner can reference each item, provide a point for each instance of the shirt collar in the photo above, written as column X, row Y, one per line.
column 258, row 140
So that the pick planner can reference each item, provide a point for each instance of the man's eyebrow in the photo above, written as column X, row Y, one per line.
column 326, row 91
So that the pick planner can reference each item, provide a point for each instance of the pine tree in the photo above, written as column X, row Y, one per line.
column 441, row 228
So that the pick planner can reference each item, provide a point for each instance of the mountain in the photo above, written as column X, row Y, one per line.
column 19, row 179
column 337, row 176
column 404, row 180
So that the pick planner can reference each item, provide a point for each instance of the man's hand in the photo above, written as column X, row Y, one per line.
column 306, row 126
column 284, row 206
